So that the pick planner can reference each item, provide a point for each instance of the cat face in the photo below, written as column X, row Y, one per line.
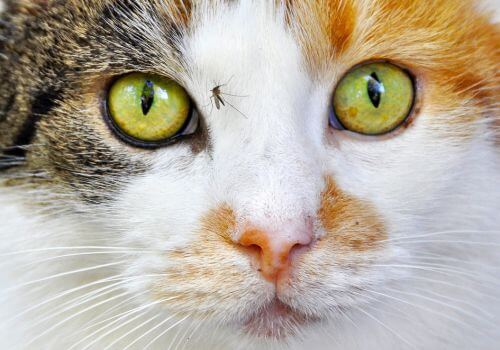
column 266, row 218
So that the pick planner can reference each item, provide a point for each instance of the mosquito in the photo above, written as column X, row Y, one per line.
column 216, row 96
column 218, row 99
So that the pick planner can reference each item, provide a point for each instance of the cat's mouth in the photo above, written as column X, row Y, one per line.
column 275, row 320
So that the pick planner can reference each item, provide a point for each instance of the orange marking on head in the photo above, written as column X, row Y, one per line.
column 325, row 28
column 180, row 10
column 351, row 225
column 340, row 20
column 450, row 46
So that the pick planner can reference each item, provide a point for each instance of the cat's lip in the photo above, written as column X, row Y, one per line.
column 276, row 320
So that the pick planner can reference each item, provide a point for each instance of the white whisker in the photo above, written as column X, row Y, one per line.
column 390, row 330
column 165, row 332
column 62, row 274
column 149, row 331
column 132, row 331
column 50, row 329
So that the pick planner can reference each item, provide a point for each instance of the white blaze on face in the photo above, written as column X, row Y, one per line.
column 265, row 160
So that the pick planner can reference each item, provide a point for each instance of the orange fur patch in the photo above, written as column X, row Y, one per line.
column 177, row 10
column 341, row 28
column 452, row 49
column 203, row 273
column 324, row 28
column 351, row 225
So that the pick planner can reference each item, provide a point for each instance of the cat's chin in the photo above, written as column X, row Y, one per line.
column 276, row 320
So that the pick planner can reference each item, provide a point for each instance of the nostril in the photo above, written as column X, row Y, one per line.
column 297, row 250
column 272, row 254
column 254, row 250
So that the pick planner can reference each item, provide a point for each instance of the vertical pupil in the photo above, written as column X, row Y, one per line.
column 147, row 97
column 375, row 89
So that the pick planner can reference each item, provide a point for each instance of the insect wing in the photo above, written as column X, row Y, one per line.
column 217, row 104
column 220, row 99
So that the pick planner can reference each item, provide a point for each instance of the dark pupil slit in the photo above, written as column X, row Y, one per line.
column 375, row 89
column 148, row 96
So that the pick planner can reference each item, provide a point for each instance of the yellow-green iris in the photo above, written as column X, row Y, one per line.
column 374, row 98
column 148, row 108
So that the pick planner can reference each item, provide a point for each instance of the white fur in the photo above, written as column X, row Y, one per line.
column 269, row 165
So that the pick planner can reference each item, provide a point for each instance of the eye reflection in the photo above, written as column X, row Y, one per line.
column 372, row 99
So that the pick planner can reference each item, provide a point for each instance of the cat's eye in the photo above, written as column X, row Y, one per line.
column 148, row 110
column 373, row 99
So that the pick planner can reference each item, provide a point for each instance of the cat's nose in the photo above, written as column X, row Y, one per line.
column 274, row 252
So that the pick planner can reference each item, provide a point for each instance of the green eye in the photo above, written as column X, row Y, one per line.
column 148, row 109
column 373, row 99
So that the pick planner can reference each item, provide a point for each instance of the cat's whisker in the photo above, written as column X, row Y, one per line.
column 97, row 321
column 143, row 310
column 62, row 274
column 110, row 248
column 121, row 254
column 460, row 286
column 439, row 302
column 58, row 324
column 424, row 308
column 96, row 293
column 62, row 295
column 151, row 330
column 451, row 242
column 432, row 234
column 86, row 296
column 177, row 338
column 481, row 311
column 374, row 300
column 20, row 175
column 165, row 332
column 389, row 329
column 143, row 324
column 453, row 262
column 21, row 147
column 79, row 301
column 195, row 329
column 485, row 281
column 97, row 339
column 439, row 268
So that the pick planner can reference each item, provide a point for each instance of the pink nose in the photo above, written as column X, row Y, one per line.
column 274, row 250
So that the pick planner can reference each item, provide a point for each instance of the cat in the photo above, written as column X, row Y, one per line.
column 342, row 194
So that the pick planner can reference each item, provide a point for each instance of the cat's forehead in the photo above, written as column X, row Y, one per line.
column 247, row 52
column 242, row 37
column 303, row 45
column 324, row 38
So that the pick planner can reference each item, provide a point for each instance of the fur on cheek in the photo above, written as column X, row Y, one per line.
column 211, row 275
column 350, row 224
column 340, row 264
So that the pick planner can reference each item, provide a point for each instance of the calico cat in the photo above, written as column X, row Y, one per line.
column 221, row 174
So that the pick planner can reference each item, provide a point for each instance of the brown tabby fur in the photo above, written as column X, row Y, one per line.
column 58, row 57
